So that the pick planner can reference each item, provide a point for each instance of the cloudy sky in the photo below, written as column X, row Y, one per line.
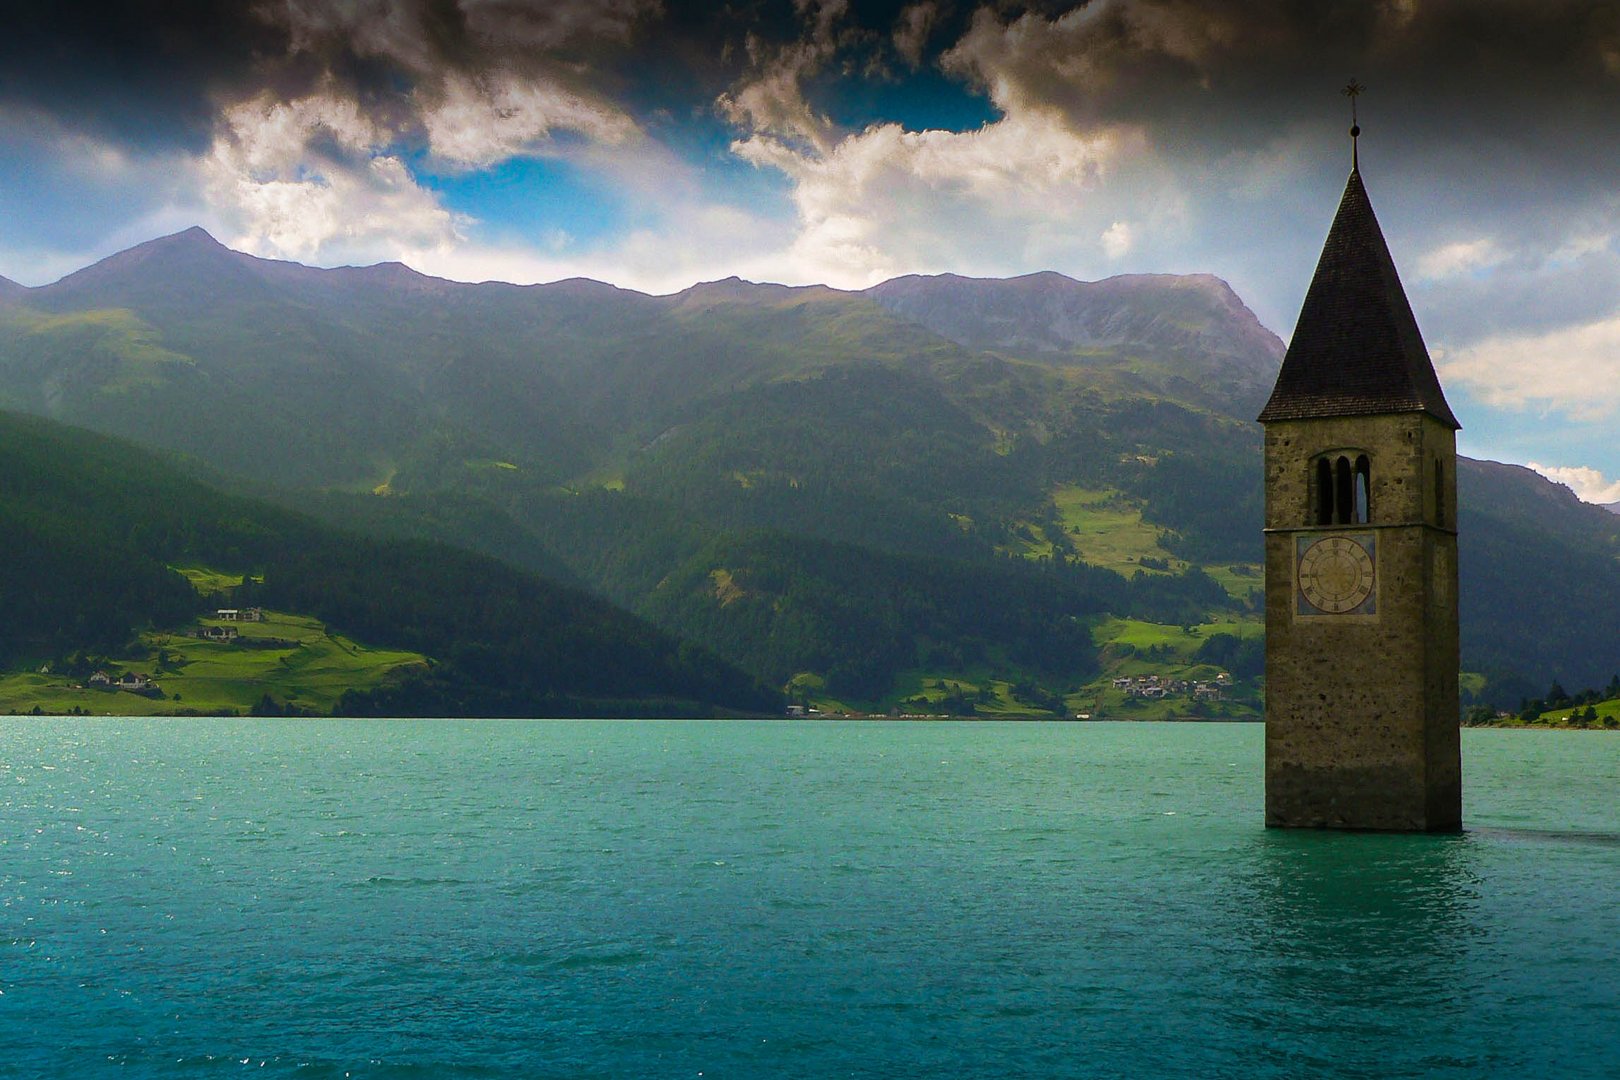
column 655, row 143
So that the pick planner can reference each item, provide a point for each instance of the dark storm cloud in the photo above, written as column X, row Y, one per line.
column 1217, row 72
column 156, row 73
column 142, row 72
column 1204, row 73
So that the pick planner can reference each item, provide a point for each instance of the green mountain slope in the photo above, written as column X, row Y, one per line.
column 361, row 377
column 92, row 526
column 1541, row 573
column 857, row 618
column 987, row 433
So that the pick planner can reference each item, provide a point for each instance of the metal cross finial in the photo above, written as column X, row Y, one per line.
column 1352, row 91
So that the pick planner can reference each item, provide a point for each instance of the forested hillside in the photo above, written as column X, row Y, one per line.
column 937, row 479
column 1525, row 546
column 93, row 526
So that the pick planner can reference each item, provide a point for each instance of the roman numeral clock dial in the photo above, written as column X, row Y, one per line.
column 1337, row 575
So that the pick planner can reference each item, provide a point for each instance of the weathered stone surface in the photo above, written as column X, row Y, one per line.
column 1362, row 709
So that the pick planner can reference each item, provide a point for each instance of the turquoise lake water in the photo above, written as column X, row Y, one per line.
column 791, row 899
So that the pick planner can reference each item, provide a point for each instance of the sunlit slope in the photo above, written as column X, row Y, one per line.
column 286, row 662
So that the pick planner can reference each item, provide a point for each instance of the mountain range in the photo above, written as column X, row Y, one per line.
column 866, row 497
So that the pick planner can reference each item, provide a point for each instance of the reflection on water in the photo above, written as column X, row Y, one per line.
column 1359, row 895
column 1486, row 953
column 1363, row 933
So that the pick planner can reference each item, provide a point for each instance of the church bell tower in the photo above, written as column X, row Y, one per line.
column 1361, row 555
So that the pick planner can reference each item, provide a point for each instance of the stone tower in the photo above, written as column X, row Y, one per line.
column 1361, row 555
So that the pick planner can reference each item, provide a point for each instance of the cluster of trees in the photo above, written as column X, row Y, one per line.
column 956, row 699
column 1583, row 705
column 1039, row 697
column 1245, row 658
column 856, row 613
column 862, row 454
column 1557, row 698
column 1211, row 504
column 507, row 644
column 959, row 699
column 77, row 574
column 860, row 617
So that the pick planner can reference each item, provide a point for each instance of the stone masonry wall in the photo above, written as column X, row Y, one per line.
column 1361, row 714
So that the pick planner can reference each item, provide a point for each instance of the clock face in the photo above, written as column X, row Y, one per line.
column 1336, row 575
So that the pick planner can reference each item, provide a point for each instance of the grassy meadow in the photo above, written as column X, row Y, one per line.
column 1106, row 528
column 293, row 658
column 1603, row 715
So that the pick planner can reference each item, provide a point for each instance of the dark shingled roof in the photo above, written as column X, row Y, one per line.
column 1356, row 350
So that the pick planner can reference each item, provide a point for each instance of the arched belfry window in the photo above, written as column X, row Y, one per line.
column 1324, row 491
column 1363, row 492
column 1343, row 493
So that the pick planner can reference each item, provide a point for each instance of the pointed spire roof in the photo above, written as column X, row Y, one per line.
column 1356, row 350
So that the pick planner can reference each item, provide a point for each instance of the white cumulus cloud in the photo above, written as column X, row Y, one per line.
column 1117, row 239
column 694, row 242
column 475, row 122
column 1571, row 370
column 771, row 101
column 1461, row 257
column 313, row 177
column 1587, row 483
column 885, row 200
column 327, row 171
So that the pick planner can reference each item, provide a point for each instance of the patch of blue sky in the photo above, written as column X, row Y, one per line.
column 558, row 204
column 922, row 101
column 1546, row 436
column 705, row 144
column 49, row 203
column 547, row 201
